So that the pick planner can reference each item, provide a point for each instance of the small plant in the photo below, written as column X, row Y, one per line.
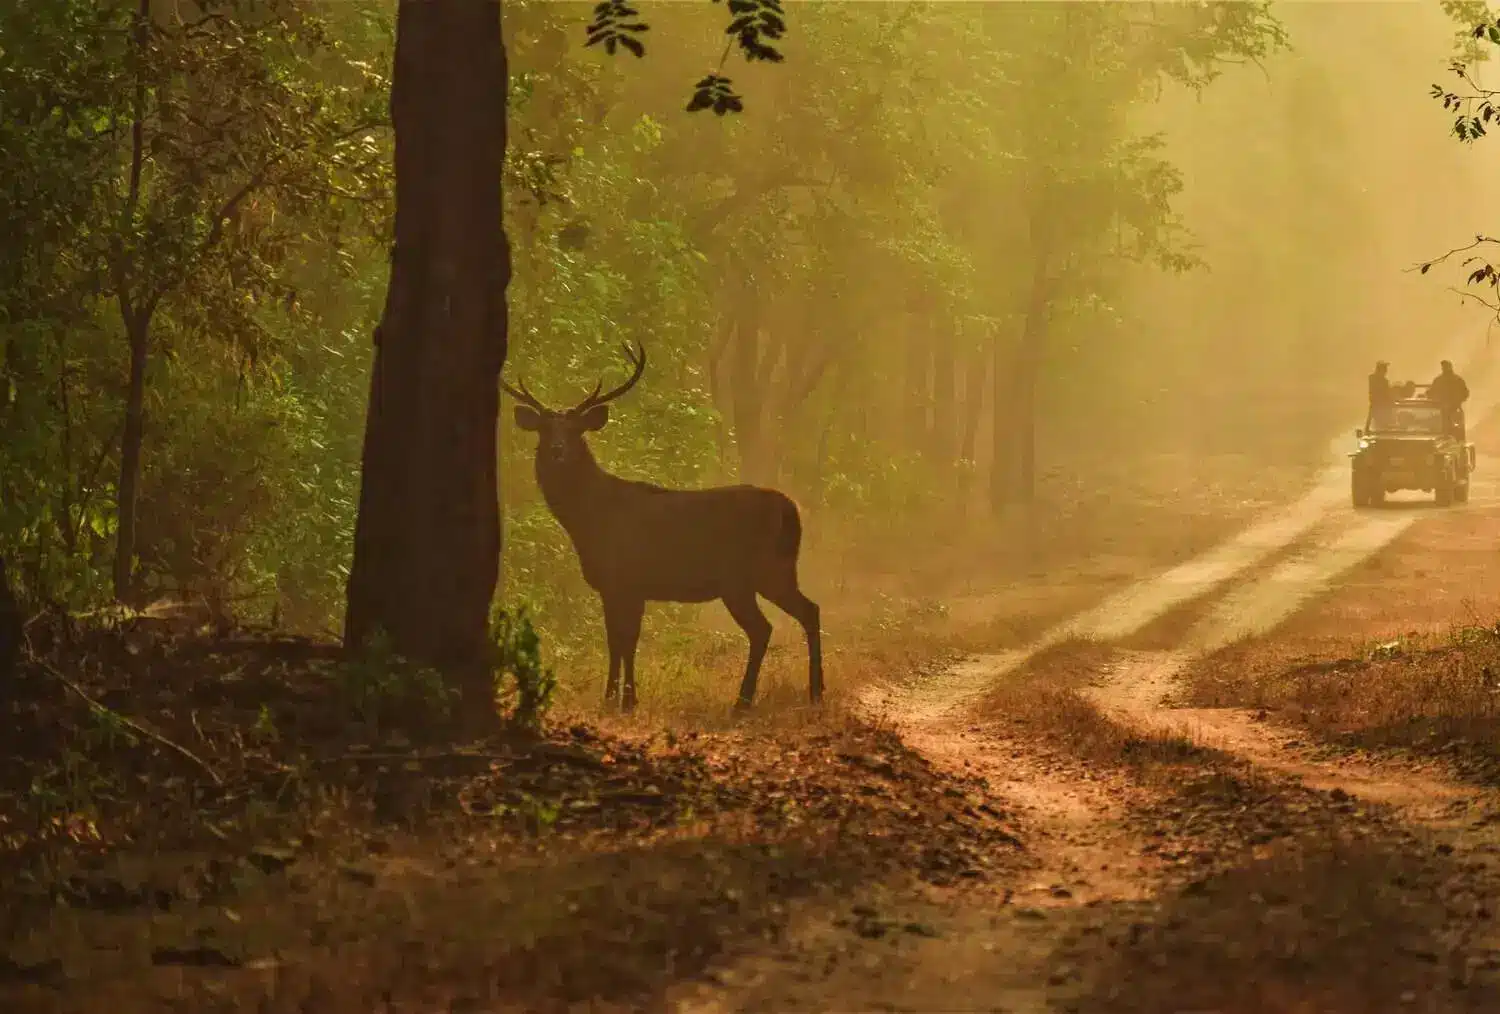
column 539, row 815
column 264, row 729
column 107, row 730
column 517, row 653
column 382, row 685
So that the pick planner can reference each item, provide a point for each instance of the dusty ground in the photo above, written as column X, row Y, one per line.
column 1223, row 779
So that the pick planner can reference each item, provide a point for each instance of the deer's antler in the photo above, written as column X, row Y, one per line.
column 524, row 396
column 637, row 360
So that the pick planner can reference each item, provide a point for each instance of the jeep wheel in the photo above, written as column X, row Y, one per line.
column 1442, row 493
column 1461, row 492
column 1358, row 490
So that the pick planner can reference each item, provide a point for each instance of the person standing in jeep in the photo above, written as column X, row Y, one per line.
column 1450, row 392
column 1380, row 394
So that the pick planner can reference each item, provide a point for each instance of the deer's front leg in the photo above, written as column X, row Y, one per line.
column 622, row 623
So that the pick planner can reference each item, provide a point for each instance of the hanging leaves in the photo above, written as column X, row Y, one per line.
column 754, row 25
column 617, row 24
column 751, row 22
column 715, row 92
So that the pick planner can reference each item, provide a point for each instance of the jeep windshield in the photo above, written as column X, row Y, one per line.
column 1408, row 420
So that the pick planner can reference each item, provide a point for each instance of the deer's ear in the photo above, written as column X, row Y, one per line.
column 528, row 419
column 595, row 418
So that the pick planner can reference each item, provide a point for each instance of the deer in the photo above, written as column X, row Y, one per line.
column 638, row 542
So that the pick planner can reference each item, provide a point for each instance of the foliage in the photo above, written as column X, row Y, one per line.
column 752, row 23
column 1474, row 108
column 167, row 174
column 517, row 654
column 878, row 192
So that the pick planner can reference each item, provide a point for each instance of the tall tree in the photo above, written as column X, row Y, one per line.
column 427, row 539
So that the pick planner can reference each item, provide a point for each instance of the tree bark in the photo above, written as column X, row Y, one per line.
column 138, row 333
column 427, row 539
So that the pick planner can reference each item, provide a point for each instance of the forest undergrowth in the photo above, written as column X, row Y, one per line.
column 181, row 799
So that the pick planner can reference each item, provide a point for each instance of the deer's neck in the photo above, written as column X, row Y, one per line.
column 574, row 492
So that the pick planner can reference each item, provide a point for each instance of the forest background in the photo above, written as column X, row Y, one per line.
column 959, row 273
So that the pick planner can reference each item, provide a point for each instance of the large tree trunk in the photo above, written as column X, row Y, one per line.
column 427, row 540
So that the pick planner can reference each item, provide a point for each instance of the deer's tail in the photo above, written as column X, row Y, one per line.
column 789, row 532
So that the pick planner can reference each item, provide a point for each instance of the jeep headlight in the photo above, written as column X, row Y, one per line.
column 1364, row 444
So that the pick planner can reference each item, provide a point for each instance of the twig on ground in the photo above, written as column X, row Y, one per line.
column 131, row 723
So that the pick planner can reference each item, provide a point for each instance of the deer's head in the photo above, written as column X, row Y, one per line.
column 561, row 431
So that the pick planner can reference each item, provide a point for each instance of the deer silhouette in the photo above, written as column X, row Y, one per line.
column 638, row 542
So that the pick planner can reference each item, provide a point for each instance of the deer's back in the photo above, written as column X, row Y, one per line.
column 689, row 545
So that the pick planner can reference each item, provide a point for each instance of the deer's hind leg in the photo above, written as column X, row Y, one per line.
column 781, row 588
column 746, row 612
column 622, row 627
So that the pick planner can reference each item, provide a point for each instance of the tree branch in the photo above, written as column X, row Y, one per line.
column 130, row 723
column 256, row 182
column 1479, row 240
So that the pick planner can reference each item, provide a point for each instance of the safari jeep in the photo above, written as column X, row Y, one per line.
column 1407, row 447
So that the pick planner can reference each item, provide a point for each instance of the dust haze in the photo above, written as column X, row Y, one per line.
column 1171, row 402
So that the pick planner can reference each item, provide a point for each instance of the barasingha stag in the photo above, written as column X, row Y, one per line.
column 640, row 543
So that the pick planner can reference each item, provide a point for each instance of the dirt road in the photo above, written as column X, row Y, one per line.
column 1186, row 858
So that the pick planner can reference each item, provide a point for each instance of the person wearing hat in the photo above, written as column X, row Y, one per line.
column 1380, row 394
column 1450, row 392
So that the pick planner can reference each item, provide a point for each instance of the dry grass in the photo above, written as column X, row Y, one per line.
column 1068, row 721
column 1427, row 694
column 1043, row 701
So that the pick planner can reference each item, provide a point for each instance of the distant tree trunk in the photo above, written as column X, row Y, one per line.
column 918, row 389
column 754, row 356
column 1029, row 355
column 136, row 316
column 944, row 436
column 746, row 400
column 1025, row 412
column 127, row 495
column 1013, row 476
column 1002, row 422
column 427, row 539
column 975, row 368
